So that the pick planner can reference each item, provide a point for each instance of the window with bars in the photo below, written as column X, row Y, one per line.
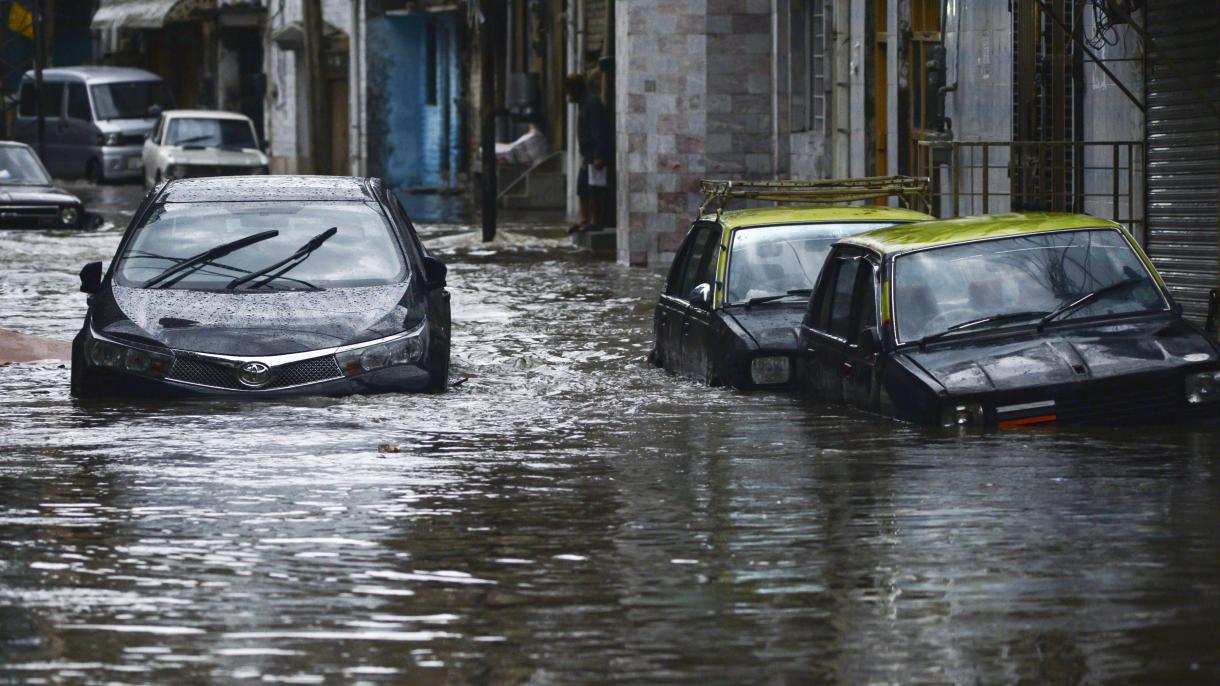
column 809, row 60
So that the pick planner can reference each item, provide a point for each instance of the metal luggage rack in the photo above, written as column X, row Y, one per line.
column 911, row 191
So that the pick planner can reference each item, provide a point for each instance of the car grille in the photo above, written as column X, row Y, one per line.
column 18, row 216
column 204, row 373
column 131, row 139
column 1143, row 402
column 190, row 171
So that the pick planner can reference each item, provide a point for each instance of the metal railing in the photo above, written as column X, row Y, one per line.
column 1101, row 178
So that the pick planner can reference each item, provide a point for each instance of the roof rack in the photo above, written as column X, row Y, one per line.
column 911, row 191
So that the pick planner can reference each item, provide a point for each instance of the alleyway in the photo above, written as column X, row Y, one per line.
column 568, row 514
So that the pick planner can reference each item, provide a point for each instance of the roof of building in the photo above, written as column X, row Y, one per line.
column 96, row 74
column 898, row 239
column 268, row 189
column 205, row 114
column 736, row 219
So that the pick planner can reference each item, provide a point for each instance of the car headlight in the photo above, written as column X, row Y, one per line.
column 68, row 216
column 769, row 370
column 968, row 414
column 110, row 355
column 405, row 349
column 1203, row 387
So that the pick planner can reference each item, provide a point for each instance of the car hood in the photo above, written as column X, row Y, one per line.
column 1064, row 356
column 36, row 195
column 215, row 156
column 126, row 126
column 772, row 326
column 257, row 323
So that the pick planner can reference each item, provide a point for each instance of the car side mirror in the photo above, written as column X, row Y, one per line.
column 91, row 278
column 701, row 296
column 869, row 343
column 265, row 146
column 434, row 272
column 154, row 111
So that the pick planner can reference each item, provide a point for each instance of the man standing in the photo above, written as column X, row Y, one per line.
column 596, row 142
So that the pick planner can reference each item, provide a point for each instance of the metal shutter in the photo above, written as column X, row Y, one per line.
column 1183, row 138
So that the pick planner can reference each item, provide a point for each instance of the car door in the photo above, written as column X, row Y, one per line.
column 673, row 303
column 55, row 158
column 79, row 132
column 861, row 354
column 152, row 146
column 697, row 322
column 828, row 323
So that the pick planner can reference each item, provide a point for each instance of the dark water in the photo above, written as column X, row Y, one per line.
column 570, row 515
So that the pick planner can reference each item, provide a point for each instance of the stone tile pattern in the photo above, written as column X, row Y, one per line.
column 694, row 93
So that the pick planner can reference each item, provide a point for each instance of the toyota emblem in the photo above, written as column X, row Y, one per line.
column 254, row 374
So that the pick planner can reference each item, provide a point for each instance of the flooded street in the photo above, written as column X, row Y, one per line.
column 568, row 514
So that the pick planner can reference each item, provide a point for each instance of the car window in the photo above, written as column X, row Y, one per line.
column 362, row 252
column 19, row 166
column 220, row 133
column 690, row 264
column 52, row 100
column 864, row 301
column 771, row 260
column 941, row 287
column 129, row 100
column 78, row 102
column 840, row 306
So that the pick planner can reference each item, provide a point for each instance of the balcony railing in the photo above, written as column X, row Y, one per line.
column 1101, row 178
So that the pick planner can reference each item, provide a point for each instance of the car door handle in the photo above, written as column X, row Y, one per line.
column 685, row 326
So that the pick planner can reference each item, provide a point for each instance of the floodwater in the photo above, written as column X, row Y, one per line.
column 568, row 514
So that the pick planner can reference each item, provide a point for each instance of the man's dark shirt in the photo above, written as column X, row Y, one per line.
column 593, row 132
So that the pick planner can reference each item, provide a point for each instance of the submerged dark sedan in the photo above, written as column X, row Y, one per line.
column 264, row 286
column 1004, row 321
column 29, row 198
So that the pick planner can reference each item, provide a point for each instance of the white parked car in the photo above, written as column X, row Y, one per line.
column 190, row 143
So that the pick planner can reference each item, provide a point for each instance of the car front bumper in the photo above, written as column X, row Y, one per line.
column 122, row 162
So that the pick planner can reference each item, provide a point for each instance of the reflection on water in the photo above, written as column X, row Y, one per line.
column 570, row 515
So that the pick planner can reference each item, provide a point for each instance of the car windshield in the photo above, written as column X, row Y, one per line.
column 20, row 167
column 220, row 133
column 770, row 261
column 129, row 100
column 1024, row 278
column 362, row 252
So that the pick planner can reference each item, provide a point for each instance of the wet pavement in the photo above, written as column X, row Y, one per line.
column 570, row 515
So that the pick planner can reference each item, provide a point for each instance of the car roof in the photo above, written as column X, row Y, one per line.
column 759, row 216
column 94, row 74
column 268, row 189
column 899, row 239
column 205, row 114
column 14, row 144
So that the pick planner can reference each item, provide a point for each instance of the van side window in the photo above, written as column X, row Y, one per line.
column 25, row 107
column 78, row 102
column 52, row 100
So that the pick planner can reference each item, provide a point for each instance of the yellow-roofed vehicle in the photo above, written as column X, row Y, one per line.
column 1003, row 321
column 738, row 286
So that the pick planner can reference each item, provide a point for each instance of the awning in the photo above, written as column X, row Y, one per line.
column 145, row 14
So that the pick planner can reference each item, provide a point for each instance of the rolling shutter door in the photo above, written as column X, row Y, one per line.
column 1183, row 149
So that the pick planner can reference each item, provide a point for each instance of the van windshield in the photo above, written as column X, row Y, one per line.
column 129, row 100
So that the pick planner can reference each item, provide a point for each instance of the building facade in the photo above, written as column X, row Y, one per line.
column 1093, row 106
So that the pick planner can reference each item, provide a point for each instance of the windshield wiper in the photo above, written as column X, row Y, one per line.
column 1088, row 298
column 805, row 292
column 297, row 257
column 196, row 261
column 993, row 319
column 193, row 139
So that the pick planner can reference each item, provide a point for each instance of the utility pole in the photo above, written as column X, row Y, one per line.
column 39, row 54
column 487, row 114
column 319, row 121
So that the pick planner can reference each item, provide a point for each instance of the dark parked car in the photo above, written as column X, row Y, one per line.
column 739, row 283
column 29, row 198
column 1004, row 321
column 265, row 286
